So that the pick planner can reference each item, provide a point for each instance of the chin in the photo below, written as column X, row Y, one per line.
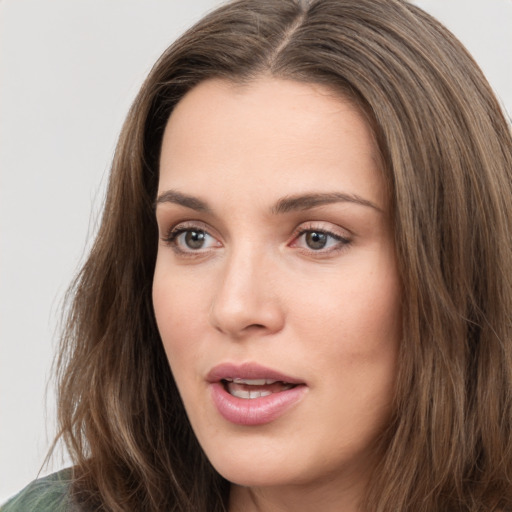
column 252, row 475
column 256, row 464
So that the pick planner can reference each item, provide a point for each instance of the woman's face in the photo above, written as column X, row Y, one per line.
column 276, row 289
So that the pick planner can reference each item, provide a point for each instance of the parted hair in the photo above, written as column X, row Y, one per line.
column 447, row 157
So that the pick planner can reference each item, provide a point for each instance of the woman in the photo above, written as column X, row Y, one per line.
column 299, row 294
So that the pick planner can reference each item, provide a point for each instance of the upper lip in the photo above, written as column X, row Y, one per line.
column 225, row 371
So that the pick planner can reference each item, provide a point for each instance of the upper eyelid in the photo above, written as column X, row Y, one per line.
column 189, row 224
column 324, row 226
column 340, row 238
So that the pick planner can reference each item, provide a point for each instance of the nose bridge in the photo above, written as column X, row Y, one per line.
column 246, row 298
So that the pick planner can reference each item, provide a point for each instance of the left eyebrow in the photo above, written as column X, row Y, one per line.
column 308, row 201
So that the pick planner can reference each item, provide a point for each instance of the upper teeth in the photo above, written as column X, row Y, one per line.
column 252, row 382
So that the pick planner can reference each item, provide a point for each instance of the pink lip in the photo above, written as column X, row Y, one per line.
column 256, row 411
column 248, row 371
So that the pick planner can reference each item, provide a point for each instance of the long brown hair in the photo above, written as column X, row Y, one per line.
column 447, row 154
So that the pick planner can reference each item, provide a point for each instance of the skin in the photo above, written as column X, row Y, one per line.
column 258, row 289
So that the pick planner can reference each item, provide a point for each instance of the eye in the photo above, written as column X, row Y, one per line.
column 184, row 239
column 193, row 239
column 316, row 240
column 319, row 240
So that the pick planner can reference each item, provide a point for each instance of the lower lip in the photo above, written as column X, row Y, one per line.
column 254, row 411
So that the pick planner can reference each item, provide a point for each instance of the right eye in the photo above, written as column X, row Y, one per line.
column 184, row 239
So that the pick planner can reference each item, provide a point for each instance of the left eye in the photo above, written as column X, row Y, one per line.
column 318, row 240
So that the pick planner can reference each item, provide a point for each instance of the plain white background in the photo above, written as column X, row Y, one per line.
column 68, row 73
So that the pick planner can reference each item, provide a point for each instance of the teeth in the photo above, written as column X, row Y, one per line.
column 252, row 382
column 240, row 393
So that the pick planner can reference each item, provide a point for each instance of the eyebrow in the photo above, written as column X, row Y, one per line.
column 173, row 196
column 308, row 201
column 300, row 202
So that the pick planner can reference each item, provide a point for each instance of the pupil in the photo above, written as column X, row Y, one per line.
column 194, row 239
column 316, row 240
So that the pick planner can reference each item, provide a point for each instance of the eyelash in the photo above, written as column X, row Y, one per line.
column 171, row 239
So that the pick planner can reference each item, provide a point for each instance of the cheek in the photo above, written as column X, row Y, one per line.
column 361, row 309
column 176, row 304
column 353, row 336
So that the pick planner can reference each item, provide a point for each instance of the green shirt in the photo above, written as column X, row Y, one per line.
column 48, row 494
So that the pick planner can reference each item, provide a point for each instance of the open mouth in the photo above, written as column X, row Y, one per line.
column 254, row 388
column 250, row 394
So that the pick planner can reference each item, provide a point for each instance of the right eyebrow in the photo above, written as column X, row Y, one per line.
column 175, row 197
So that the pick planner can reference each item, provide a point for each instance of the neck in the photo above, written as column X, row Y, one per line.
column 330, row 496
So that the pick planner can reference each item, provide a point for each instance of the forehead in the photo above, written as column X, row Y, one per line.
column 270, row 137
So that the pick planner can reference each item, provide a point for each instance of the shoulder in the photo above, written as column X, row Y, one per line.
column 48, row 494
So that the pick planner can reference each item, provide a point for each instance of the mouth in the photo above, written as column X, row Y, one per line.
column 251, row 395
column 254, row 388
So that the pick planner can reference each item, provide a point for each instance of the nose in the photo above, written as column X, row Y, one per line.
column 246, row 301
